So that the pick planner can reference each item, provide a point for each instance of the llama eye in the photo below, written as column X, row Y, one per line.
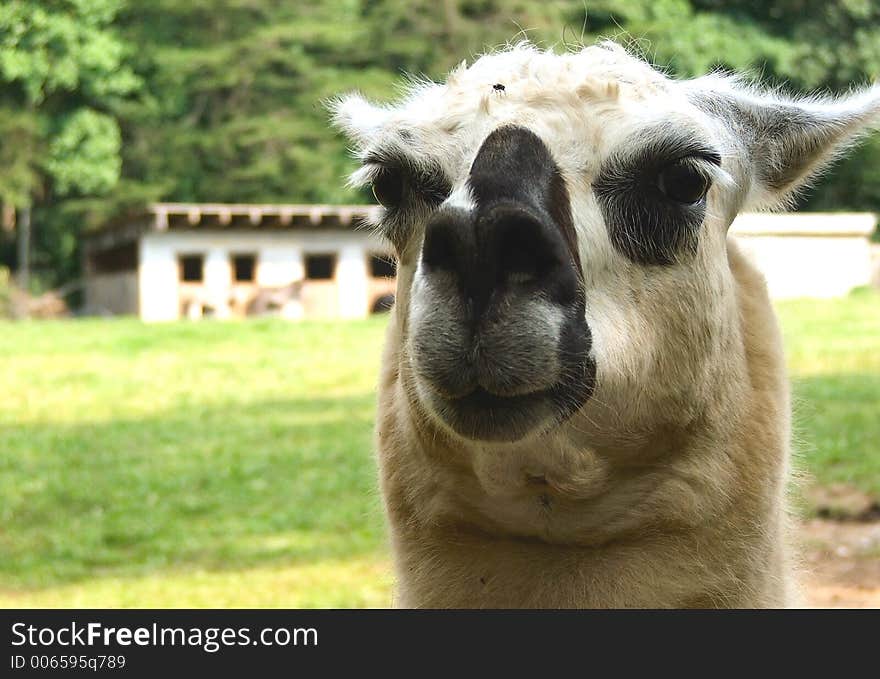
column 682, row 182
column 388, row 187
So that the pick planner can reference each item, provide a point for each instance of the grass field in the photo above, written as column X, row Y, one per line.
column 230, row 464
column 833, row 350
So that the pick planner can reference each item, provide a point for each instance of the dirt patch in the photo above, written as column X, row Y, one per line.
column 841, row 549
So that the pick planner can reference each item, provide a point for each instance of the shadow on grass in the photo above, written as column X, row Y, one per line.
column 273, row 482
column 211, row 488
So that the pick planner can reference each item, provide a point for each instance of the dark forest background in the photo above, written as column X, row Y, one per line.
column 108, row 104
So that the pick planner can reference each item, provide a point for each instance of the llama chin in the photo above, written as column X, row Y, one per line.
column 583, row 399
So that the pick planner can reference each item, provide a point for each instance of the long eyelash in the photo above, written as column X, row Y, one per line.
column 710, row 168
column 363, row 176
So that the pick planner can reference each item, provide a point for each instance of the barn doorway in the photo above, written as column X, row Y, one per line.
column 193, row 298
column 320, row 293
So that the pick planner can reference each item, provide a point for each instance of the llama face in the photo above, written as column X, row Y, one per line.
column 560, row 223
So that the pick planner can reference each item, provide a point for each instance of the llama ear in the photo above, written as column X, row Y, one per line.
column 358, row 119
column 788, row 141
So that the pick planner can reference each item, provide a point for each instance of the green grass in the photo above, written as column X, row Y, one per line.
column 833, row 353
column 230, row 464
column 189, row 464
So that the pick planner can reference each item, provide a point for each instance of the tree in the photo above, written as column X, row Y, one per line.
column 62, row 72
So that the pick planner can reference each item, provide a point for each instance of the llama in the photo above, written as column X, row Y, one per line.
column 583, row 400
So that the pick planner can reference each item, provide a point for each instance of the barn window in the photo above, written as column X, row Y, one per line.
column 244, row 268
column 320, row 267
column 192, row 268
column 382, row 266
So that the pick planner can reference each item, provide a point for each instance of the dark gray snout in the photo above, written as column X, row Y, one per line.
column 500, row 340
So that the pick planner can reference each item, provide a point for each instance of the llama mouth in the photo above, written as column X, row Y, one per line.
column 484, row 416
column 482, row 399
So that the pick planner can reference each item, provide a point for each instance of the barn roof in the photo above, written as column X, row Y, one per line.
column 159, row 217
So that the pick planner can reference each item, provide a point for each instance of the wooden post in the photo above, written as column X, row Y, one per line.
column 23, row 275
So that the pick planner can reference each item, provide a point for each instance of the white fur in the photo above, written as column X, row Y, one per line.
column 667, row 487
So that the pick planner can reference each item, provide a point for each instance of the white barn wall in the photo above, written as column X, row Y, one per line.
column 279, row 262
column 352, row 275
column 808, row 254
column 809, row 266
column 218, row 279
column 157, row 279
column 281, row 265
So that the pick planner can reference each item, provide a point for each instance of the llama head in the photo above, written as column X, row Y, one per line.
column 560, row 224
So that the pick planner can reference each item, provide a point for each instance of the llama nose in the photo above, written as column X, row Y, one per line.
column 509, row 247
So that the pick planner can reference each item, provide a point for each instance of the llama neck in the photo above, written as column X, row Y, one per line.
column 650, row 540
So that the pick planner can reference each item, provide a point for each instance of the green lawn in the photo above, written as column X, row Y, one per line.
column 230, row 464
column 214, row 464
column 833, row 350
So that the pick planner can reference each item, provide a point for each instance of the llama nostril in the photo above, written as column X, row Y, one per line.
column 438, row 250
column 527, row 249
column 518, row 263
column 444, row 244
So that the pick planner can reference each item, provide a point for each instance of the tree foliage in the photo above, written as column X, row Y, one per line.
column 119, row 102
column 62, row 71
column 63, row 82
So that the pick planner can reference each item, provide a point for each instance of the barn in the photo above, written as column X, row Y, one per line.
column 217, row 260
column 184, row 260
